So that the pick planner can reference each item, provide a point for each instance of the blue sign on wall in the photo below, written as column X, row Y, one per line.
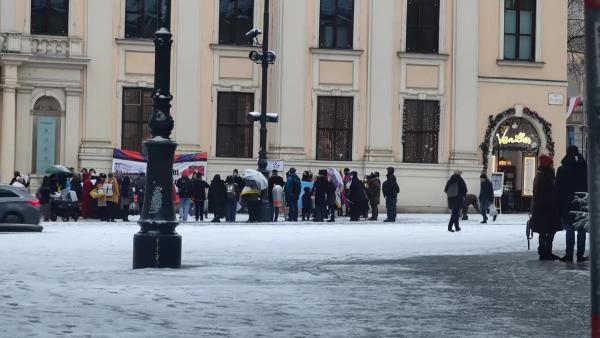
column 46, row 143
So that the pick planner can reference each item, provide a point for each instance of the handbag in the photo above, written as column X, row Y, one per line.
column 493, row 211
column 529, row 232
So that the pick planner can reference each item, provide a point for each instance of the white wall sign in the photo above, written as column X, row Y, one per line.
column 498, row 184
column 275, row 165
column 555, row 99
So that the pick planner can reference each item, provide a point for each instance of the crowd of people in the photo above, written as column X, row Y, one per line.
column 322, row 197
column 553, row 208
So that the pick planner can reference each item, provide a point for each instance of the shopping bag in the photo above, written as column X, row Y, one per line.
column 73, row 196
column 493, row 211
column 108, row 189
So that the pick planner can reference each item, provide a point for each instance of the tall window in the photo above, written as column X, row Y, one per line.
column 137, row 109
column 421, row 128
column 519, row 30
column 50, row 17
column 235, row 20
column 235, row 132
column 141, row 19
column 336, row 24
column 334, row 128
column 422, row 26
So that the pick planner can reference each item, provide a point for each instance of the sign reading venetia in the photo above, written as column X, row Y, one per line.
column 520, row 138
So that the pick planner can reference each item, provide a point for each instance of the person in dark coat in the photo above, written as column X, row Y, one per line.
column 77, row 187
column 306, row 204
column 374, row 193
column 486, row 197
column 320, row 190
column 140, row 190
column 238, row 179
column 545, row 216
column 571, row 178
column 456, row 190
column 274, row 180
column 126, row 197
column 43, row 195
column 216, row 198
column 292, row 194
column 357, row 197
column 199, row 187
column 185, row 190
column 390, row 191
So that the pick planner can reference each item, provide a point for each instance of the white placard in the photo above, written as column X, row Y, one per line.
column 498, row 184
column 276, row 165
column 555, row 99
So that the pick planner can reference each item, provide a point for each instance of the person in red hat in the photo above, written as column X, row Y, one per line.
column 545, row 216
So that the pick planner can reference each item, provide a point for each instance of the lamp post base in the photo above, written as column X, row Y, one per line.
column 156, row 250
column 265, row 213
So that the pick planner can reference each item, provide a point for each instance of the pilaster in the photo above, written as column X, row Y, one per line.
column 465, row 71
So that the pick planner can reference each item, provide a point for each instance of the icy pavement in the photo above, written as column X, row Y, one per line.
column 412, row 279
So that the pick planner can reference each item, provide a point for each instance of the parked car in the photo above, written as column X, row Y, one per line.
column 18, row 206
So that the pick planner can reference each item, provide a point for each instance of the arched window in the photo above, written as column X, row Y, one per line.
column 46, row 133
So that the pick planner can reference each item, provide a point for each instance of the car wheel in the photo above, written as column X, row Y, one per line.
column 13, row 219
column 65, row 218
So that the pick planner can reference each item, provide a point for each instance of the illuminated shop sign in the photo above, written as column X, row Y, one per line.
column 516, row 134
column 520, row 138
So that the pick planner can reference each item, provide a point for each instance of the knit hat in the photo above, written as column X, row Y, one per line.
column 546, row 161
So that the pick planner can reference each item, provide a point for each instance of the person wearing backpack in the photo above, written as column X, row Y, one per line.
column 456, row 190
column 231, row 199
column 185, row 189
column 199, row 187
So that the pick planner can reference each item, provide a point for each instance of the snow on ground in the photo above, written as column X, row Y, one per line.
column 410, row 279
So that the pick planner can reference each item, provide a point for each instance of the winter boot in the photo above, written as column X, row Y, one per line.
column 582, row 259
column 568, row 258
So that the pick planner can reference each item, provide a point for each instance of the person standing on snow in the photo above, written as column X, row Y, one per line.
column 274, row 180
column 571, row 178
column 391, row 190
column 216, row 198
column 199, row 187
column 357, row 197
column 374, row 193
column 185, row 190
column 456, row 190
column 232, row 195
column 545, row 216
column 292, row 194
column 486, row 197
column 320, row 190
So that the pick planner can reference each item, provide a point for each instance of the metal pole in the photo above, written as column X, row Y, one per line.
column 265, row 206
column 592, row 57
column 157, row 245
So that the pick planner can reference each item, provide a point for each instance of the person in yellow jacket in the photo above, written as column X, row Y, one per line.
column 111, row 195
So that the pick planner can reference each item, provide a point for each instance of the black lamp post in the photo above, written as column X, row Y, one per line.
column 265, row 59
column 157, row 245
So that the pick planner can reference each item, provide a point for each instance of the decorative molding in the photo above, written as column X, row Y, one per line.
column 331, row 51
column 519, row 63
column 423, row 56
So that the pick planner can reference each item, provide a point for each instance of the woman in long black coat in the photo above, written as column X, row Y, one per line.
column 545, row 216
column 357, row 196
column 456, row 189
column 320, row 190
column 216, row 198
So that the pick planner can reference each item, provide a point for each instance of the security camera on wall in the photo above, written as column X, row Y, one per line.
column 253, row 35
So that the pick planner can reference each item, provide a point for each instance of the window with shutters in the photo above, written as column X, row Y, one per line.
column 137, row 110
column 336, row 24
column 235, row 133
column 423, row 26
column 141, row 19
column 519, row 30
column 334, row 128
column 420, row 131
column 236, row 18
column 50, row 17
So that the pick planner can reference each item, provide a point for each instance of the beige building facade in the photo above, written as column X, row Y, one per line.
column 419, row 85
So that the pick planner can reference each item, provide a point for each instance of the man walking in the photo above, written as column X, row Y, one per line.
column 391, row 190
column 571, row 178
column 486, row 197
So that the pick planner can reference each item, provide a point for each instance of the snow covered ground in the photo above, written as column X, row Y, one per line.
column 411, row 279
